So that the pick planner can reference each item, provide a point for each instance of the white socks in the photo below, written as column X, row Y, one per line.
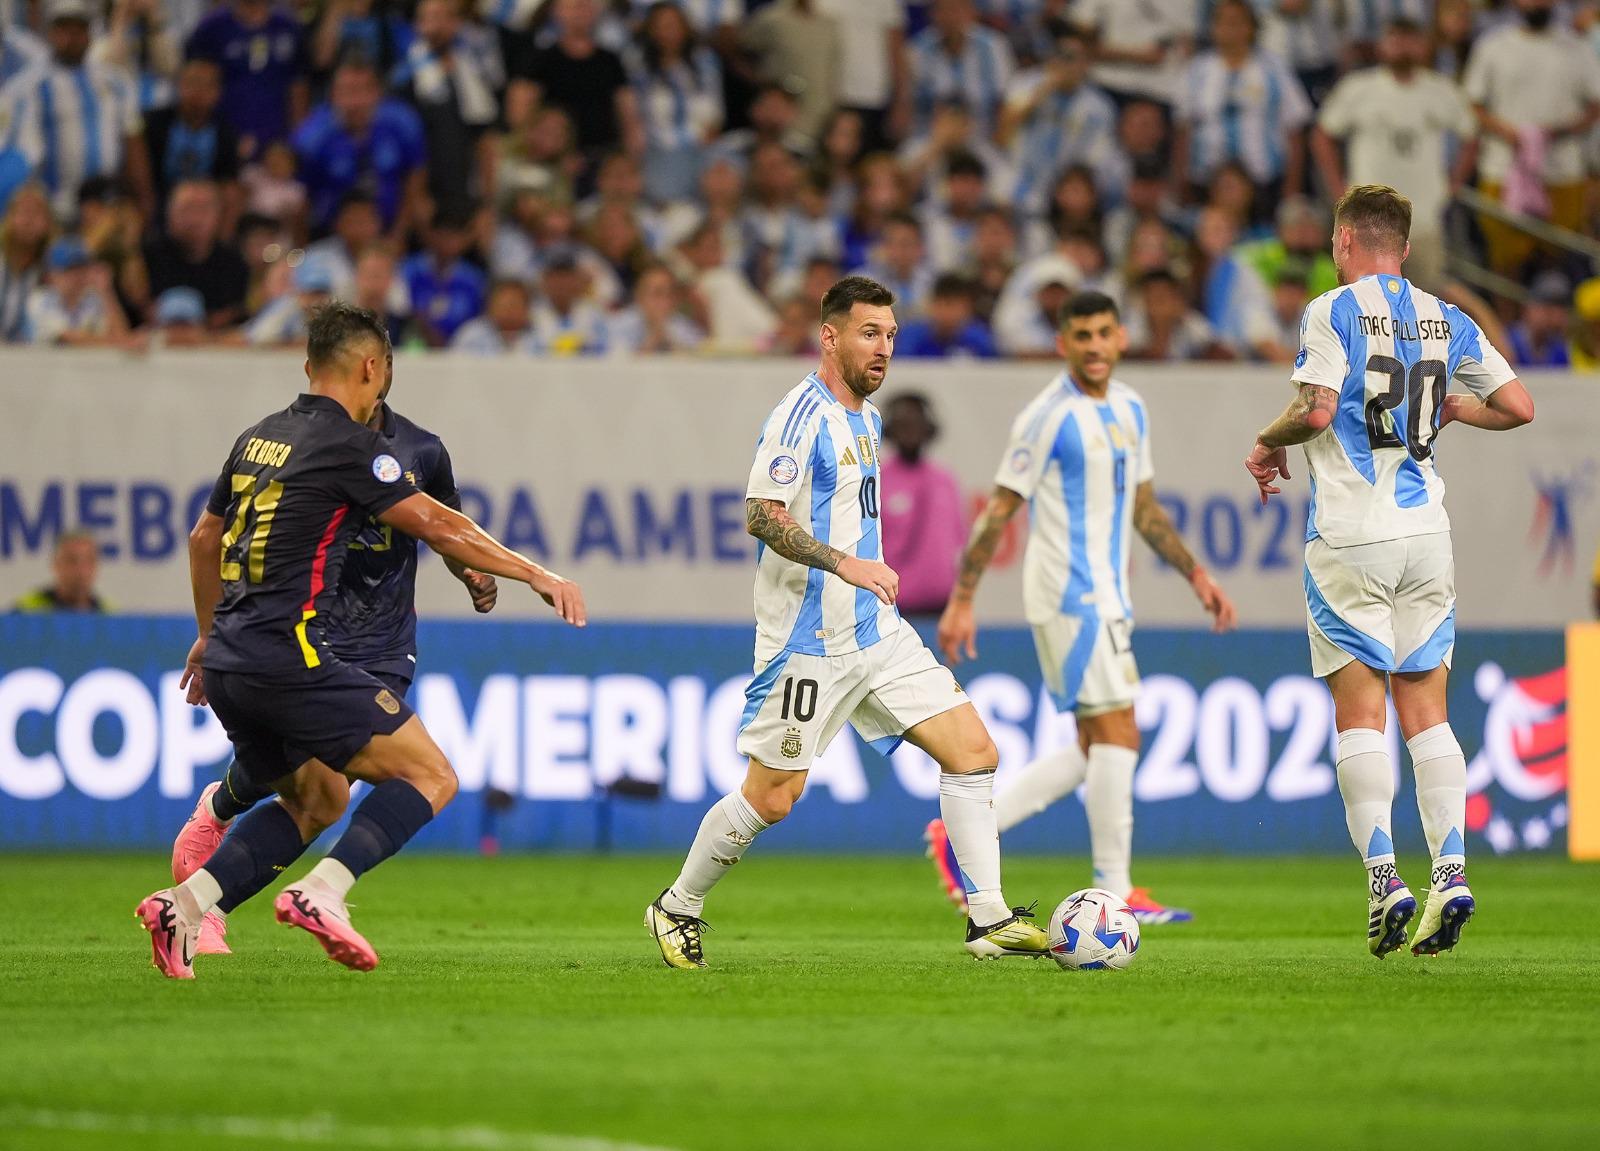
column 727, row 829
column 1108, row 799
column 1366, row 781
column 1038, row 785
column 1441, row 772
column 198, row 894
column 333, row 875
column 966, row 804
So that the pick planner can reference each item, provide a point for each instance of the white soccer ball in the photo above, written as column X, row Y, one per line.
column 1094, row 930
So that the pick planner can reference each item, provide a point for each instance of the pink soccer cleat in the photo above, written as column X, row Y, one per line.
column 214, row 935
column 312, row 907
column 200, row 836
column 1147, row 910
column 173, row 937
column 944, row 862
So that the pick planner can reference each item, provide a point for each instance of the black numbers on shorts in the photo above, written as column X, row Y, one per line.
column 800, row 696
column 869, row 498
column 1408, row 388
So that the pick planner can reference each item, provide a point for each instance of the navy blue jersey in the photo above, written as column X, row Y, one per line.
column 373, row 622
column 296, row 489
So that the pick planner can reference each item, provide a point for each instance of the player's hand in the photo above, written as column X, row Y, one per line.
column 563, row 595
column 1267, row 465
column 878, row 578
column 1223, row 614
column 193, row 680
column 483, row 589
column 958, row 632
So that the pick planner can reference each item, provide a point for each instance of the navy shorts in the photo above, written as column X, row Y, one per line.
column 330, row 714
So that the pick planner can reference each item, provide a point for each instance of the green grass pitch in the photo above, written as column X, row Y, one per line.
column 520, row 1006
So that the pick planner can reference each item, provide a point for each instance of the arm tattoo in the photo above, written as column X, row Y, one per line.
column 985, row 538
column 1291, row 428
column 770, row 522
column 1151, row 521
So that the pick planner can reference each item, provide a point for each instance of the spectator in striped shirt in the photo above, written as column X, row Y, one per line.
column 1054, row 119
column 955, row 57
column 24, row 239
column 678, row 86
column 72, row 119
column 1238, row 102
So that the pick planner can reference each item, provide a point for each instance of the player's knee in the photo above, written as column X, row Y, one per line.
column 974, row 751
column 772, row 802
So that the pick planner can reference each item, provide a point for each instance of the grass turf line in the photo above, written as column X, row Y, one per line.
column 520, row 997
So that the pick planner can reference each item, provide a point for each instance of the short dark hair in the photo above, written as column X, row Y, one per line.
column 357, row 198
column 905, row 220
column 840, row 299
column 965, row 163
column 335, row 326
column 1081, row 305
column 953, row 285
column 1376, row 213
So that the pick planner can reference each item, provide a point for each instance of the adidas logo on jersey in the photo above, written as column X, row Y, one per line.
column 848, row 460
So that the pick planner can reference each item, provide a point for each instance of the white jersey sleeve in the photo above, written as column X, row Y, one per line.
column 1322, row 359
column 1479, row 366
column 1028, row 450
column 783, row 453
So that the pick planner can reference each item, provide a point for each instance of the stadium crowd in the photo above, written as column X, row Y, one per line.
column 566, row 177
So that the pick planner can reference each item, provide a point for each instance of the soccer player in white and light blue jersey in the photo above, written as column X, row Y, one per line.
column 1376, row 359
column 830, row 646
column 1079, row 456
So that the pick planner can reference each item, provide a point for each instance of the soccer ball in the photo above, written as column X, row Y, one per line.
column 1093, row 930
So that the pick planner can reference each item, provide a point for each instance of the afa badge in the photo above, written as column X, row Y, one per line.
column 784, row 470
column 386, row 469
column 1020, row 459
column 790, row 747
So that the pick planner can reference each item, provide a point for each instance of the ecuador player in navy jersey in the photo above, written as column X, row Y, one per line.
column 373, row 626
column 265, row 563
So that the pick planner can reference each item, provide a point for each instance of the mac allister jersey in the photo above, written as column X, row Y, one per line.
column 1390, row 350
column 820, row 460
column 1078, row 460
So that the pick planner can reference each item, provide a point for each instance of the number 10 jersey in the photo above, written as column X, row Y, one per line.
column 1390, row 350
column 820, row 460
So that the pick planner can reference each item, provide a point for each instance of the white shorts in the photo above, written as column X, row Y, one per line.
column 1088, row 663
column 1391, row 605
column 797, row 703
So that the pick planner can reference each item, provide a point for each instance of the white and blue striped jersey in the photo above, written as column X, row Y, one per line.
column 1066, row 128
column 1390, row 350
column 820, row 460
column 1078, row 461
column 978, row 76
column 70, row 124
column 1245, row 114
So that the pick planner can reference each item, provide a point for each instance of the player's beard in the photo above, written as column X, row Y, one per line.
column 860, row 381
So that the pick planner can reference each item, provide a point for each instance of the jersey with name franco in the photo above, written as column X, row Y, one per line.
column 1390, row 350
column 820, row 460
column 1078, row 460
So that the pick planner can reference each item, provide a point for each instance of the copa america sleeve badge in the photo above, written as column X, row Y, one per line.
column 784, row 470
